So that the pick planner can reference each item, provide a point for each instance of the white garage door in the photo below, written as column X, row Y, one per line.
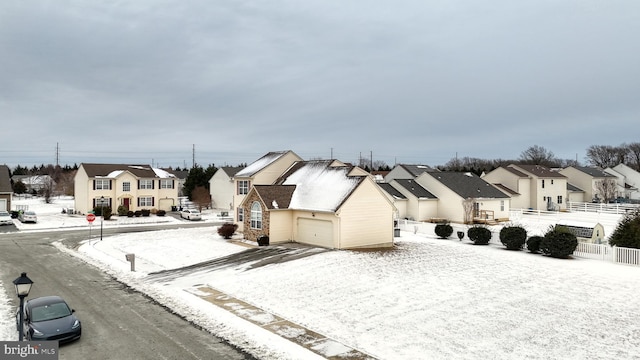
column 3, row 204
column 315, row 232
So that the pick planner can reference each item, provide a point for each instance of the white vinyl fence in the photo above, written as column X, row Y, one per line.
column 620, row 255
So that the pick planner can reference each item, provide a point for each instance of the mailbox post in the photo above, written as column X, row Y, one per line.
column 132, row 259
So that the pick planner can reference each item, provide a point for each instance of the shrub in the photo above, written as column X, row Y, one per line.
column 513, row 237
column 145, row 212
column 443, row 230
column 122, row 211
column 559, row 242
column 161, row 213
column 106, row 213
column 137, row 213
column 627, row 233
column 227, row 230
column 154, row 211
column 480, row 235
column 130, row 213
column 533, row 243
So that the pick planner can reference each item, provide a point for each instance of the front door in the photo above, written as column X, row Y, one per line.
column 125, row 203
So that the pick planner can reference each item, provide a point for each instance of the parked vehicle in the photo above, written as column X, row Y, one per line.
column 49, row 318
column 28, row 216
column 190, row 214
column 5, row 218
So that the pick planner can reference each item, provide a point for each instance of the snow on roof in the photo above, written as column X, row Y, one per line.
column 113, row 174
column 163, row 173
column 320, row 187
column 259, row 164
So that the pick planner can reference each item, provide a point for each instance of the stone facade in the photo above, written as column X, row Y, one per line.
column 249, row 233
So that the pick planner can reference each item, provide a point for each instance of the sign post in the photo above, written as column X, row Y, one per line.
column 90, row 219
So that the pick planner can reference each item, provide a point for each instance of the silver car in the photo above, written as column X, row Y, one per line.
column 5, row 218
column 28, row 216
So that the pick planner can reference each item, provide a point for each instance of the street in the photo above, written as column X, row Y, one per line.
column 118, row 322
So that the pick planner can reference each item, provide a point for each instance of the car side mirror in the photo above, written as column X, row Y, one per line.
column 73, row 310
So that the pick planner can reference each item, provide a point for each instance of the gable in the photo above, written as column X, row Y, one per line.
column 467, row 185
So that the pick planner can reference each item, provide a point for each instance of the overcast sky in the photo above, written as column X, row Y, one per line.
column 415, row 82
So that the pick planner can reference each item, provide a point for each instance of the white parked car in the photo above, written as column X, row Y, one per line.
column 190, row 214
column 5, row 218
column 28, row 216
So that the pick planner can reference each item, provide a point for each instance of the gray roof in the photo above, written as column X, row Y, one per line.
column 540, row 171
column 391, row 190
column 468, row 185
column 231, row 171
column 415, row 189
column 140, row 171
column 573, row 188
column 416, row 170
column 5, row 179
column 594, row 172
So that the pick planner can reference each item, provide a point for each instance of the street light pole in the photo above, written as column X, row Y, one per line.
column 23, row 287
column 102, row 214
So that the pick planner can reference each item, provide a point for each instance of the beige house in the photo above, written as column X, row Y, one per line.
column 264, row 171
column 221, row 187
column 135, row 187
column 531, row 186
column 628, row 181
column 587, row 179
column 421, row 205
column 322, row 203
column 457, row 190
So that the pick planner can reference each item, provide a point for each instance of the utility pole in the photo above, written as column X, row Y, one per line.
column 57, row 155
column 193, row 155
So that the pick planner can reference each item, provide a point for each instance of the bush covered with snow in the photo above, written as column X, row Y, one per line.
column 559, row 242
column 513, row 237
column 227, row 230
column 443, row 230
column 480, row 235
column 533, row 243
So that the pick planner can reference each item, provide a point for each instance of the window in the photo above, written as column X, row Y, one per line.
column 126, row 186
column 145, row 201
column 543, row 183
column 166, row 183
column 240, row 214
column 243, row 187
column 102, row 202
column 560, row 199
column 501, row 205
column 145, row 184
column 256, row 215
column 551, row 181
column 102, row 184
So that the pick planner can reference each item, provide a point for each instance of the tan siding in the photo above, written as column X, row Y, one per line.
column 366, row 218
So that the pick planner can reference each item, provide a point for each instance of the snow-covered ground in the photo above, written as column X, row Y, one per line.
column 426, row 299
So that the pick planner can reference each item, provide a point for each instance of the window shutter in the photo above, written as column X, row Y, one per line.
column 138, row 187
column 94, row 184
column 153, row 184
column 138, row 201
column 110, row 184
column 153, row 201
column 173, row 184
column 94, row 204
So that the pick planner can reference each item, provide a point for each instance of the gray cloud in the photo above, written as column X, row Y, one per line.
column 411, row 81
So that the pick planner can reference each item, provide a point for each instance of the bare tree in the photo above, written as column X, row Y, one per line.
column 201, row 197
column 538, row 155
column 604, row 156
column 468, row 208
column 633, row 155
column 606, row 189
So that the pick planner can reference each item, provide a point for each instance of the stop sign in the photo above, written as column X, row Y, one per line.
column 91, row 217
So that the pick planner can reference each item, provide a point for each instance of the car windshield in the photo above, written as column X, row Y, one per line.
column 50, row 312
column 4, row 213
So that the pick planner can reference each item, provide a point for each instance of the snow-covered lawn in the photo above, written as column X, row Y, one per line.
column 426, row 299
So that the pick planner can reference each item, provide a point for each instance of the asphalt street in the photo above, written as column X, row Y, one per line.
column 118, row 322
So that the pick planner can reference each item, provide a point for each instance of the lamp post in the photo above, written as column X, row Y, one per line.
column 23, row 287
column 101, row 214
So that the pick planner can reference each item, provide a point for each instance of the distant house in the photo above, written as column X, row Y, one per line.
column 587, row 179
column 421, row 204
column 455, row 190
column 221, row 187
column 35, row 183
column 181, row 178
column 628, row 181
column 531, row 186
column 399, row 201
column 322, row 203
column 6, row 191
column 135, row 187
column 264, row 171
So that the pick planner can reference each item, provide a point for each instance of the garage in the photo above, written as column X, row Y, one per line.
column 315, row 232
column 3, row 204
